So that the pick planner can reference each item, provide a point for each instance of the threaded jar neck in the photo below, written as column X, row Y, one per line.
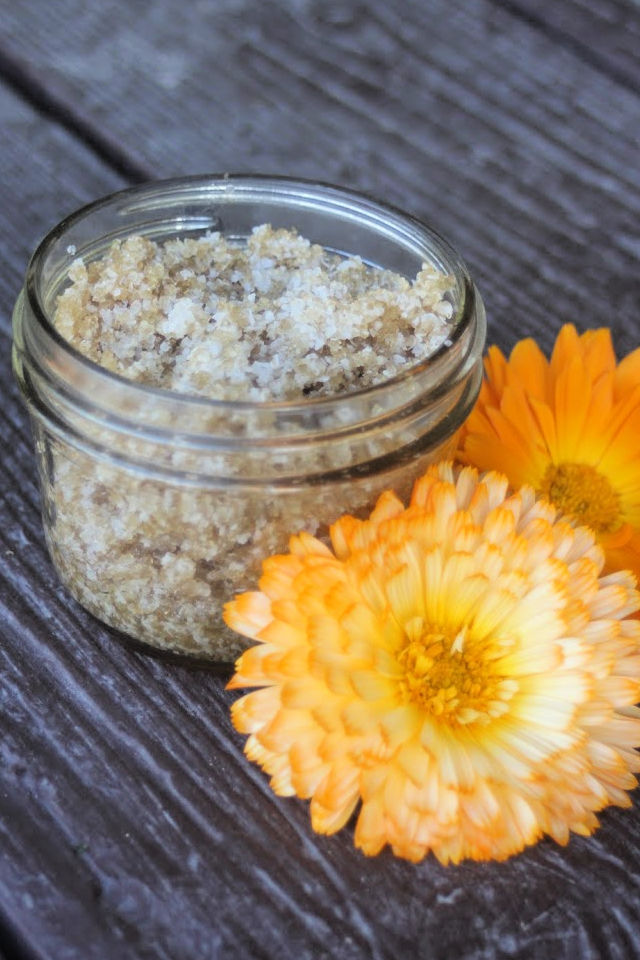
column 154, row 429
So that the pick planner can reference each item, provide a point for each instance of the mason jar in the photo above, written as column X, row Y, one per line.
column 158, row 506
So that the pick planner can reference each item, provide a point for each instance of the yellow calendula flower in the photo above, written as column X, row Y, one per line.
column 460, row 668
column 569, row 427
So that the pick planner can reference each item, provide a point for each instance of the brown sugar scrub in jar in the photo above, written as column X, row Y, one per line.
column 215, row 363
column 274, row 318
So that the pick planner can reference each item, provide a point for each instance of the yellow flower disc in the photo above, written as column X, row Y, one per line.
column 458, row 669
column 583, row 494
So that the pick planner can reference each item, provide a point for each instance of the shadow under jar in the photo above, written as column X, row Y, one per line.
column 160, row 506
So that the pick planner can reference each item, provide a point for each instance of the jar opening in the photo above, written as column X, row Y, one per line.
column 95, row 407
column 337, row 219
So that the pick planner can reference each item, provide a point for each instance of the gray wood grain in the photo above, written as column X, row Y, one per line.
column 607, row 35
column 130, row 823
column 513, row 146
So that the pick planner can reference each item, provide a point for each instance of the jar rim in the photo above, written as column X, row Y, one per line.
column 277, row 187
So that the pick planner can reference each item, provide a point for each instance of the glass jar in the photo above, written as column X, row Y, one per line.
column 158, row 506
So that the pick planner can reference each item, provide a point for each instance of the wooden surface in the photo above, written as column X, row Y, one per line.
column 130, row 823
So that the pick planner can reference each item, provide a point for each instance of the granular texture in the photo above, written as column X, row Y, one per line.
column 158, row 560
column 275, row 318
column 156, row 554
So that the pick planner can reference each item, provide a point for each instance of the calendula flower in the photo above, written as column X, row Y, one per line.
column 458, row 667
column 570, row 427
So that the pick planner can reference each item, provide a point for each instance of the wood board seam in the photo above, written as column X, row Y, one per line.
column 17, row 77
column 573, row 44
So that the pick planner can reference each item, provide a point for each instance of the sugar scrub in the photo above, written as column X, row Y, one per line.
column 277, row 318
column 202, row 385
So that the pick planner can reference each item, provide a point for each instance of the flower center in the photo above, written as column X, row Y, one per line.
column 450, row 677
column 583, row 494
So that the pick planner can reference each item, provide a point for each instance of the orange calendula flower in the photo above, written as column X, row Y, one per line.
column 459, row 667
column 569, row 427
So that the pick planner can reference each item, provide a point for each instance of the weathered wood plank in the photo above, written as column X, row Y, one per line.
column 605, row 34
column 131, row 824
column 514, row 147
column 45, row 174
column 34, row 88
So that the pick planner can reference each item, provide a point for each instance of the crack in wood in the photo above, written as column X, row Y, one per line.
column 574, row 44
column 17, row 76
